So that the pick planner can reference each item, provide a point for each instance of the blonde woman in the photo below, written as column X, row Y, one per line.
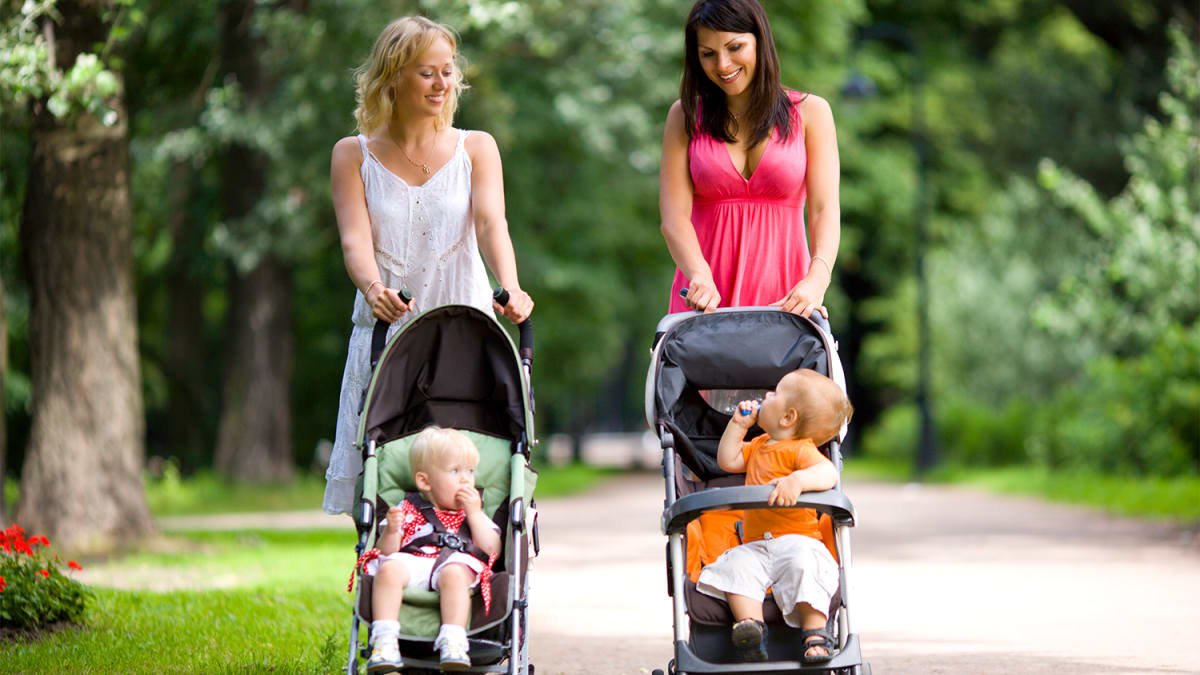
column 416, row 201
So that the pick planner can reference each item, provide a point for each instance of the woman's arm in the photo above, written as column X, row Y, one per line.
column 354, row 228
column 491, row 227
column 824, row 207
column 675, row 205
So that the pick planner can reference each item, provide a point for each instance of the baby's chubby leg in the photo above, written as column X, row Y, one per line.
column 388, row 591
column 454, row 584
column 743, row 607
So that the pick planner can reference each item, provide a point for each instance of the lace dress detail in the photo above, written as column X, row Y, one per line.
column 424, row 241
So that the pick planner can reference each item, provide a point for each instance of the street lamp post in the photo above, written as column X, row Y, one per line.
column 859, row 86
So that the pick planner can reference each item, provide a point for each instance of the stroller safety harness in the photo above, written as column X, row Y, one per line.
column 448, row 543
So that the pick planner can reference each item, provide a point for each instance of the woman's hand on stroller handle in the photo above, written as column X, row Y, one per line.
column 702, row 295
column 389, row 305
column 804, row 299
column 515, row 305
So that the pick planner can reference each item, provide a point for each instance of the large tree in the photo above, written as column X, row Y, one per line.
column 81, row 481
column 254, row 440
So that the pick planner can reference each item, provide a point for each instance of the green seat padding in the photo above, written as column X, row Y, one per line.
column 492, row 475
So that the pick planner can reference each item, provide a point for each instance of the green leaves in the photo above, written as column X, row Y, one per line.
column 28, row 72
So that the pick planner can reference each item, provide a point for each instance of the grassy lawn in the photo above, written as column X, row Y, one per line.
column 255, row 602
column 224, row 602
column 206, row 493
column 1176, row 499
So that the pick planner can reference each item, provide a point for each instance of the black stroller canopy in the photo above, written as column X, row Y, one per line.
column 734, row 350
column 453, row 366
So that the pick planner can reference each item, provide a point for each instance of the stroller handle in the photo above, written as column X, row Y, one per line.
column 816, row 317
column 379, row 334
column 525, row 328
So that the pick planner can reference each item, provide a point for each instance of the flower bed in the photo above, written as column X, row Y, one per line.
column 34, row 591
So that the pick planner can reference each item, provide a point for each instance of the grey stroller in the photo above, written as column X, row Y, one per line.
column 702, row 365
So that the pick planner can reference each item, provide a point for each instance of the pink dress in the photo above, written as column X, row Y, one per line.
column 751, row 231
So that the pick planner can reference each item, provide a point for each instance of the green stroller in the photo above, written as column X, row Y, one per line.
column 453, row 366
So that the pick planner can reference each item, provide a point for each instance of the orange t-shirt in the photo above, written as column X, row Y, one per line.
column 775, row 460
column 715, row 532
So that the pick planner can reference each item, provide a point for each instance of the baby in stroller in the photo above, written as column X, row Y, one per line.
column 783, row 550
column 423, row 547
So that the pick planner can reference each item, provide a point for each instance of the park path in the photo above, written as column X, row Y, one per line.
column 945, row 580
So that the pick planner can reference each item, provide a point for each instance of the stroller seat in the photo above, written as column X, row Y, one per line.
column 420, row 613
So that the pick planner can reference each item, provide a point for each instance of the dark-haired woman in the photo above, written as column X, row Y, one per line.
column 742, row 154
column 742, row 157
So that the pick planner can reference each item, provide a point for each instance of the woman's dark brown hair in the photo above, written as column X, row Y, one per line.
column 704, row 102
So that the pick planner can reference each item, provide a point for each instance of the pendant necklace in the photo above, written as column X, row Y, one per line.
column 423, row 165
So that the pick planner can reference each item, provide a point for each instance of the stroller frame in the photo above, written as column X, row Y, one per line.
column 679, row 452
column 403, row 419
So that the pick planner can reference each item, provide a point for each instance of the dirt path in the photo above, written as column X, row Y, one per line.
column 946, row 580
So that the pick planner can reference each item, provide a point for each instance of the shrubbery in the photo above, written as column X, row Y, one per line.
column 34, row 591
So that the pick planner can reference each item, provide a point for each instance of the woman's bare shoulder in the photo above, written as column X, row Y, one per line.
column 347, row 150
column 814, row 104
column 477, row 140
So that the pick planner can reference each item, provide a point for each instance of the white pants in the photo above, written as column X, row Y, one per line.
column 796, row 568
column 419, row 568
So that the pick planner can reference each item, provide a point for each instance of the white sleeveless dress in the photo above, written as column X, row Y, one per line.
column 424, row 241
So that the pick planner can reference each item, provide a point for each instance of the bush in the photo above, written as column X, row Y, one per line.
column 972, row 434
column 33, row 590
column 1134, row 415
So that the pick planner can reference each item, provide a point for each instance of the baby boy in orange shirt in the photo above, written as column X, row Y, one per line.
column 783, row 549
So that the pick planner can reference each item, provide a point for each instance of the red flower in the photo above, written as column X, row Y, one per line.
column 44, row 540
column 2, row 584
column 45, row 573
column 73, row 565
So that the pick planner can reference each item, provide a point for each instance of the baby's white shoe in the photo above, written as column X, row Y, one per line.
column 453, row 648
column 385, row 657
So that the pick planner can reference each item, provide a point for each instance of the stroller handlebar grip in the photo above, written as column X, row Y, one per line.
column 379, row 334
column 816, row 316
column 525, row 328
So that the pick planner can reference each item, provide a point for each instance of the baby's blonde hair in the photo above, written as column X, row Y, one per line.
column 402, row 41
column 822, row 406
column 436, row 443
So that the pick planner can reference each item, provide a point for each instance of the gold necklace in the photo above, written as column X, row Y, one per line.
column 423, row 165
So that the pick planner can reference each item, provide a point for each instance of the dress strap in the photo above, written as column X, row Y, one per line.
column 362, row 143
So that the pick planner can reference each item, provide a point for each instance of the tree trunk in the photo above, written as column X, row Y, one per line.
column 82, row 480
column 189, row 411
column 254, row 439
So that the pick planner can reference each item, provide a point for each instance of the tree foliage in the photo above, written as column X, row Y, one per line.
column 1061, row 254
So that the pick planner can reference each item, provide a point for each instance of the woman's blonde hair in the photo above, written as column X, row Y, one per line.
column 436, row 443
column 402, row 41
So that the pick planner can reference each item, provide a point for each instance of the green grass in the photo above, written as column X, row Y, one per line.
column 206, row 493
column 1176, row 499
column 229, row 602
column 569, row 479
column 286, row 610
